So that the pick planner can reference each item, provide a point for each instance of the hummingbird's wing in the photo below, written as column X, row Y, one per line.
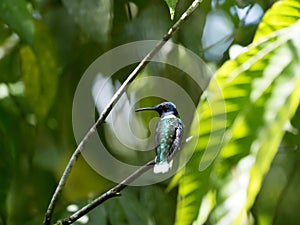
column 176, row 143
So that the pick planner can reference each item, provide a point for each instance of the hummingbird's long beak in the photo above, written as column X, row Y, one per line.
column 148, row 108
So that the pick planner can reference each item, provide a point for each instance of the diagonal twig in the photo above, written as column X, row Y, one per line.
column 113, row 192
column 109, row 107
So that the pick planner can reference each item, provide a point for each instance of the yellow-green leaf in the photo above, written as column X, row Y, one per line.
column 40, row 71
column 283, row 14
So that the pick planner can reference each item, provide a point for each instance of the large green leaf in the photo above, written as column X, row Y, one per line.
column 260, row 90
column 278, row 110
column 195, row 179
column 258, row 130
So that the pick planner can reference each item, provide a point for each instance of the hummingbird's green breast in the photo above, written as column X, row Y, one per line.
column 168, row 137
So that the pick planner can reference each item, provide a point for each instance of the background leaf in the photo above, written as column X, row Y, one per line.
column 8, row 159
column 16, row 14
column 94, row 17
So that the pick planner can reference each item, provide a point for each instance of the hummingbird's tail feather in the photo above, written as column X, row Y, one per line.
column 163, row 167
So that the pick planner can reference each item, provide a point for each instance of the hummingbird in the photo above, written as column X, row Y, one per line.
column 169, row 132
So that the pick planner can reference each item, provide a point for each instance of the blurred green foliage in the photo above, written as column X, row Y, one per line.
column 45, row 47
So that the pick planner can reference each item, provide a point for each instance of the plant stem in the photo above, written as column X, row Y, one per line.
column 113, row 192
column 109, row 107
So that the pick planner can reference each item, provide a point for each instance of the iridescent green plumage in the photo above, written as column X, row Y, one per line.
column 168, row 136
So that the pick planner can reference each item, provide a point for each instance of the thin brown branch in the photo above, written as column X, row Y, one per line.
column 113, row 192
column 109, row 107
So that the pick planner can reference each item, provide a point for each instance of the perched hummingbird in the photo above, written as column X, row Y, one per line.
column 169, row 132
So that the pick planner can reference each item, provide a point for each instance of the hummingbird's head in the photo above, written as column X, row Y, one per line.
column 164, row 109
